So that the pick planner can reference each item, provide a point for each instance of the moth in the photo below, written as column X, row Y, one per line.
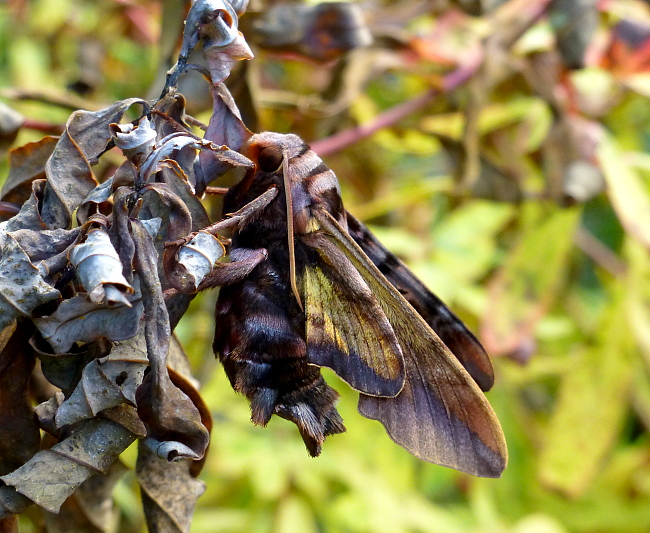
column 330, row 295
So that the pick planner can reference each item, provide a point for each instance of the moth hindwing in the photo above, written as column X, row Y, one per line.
column 319, row 300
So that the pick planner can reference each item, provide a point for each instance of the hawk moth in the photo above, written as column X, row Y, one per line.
column 329, row 294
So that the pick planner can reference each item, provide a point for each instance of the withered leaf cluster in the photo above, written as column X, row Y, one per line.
column 90, row 294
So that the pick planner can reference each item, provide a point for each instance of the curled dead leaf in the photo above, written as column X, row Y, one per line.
column 106, row 382
column 195, row 261
column 51, row 476
column 22, row 287
column 98, row 268
column 169, row 491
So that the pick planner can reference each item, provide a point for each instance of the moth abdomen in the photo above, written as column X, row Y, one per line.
column 263, row 402
column 263, row 353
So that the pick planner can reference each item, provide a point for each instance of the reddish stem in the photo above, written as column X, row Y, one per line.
column 45, row 127
column 391, row 116
column 527, row 14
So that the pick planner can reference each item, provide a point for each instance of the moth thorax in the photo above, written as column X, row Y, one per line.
column 304, row 222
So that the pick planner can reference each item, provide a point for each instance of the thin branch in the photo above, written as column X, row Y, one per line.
column 510, row 23
column 393, row 115
column 599, row 253
column 64, row 100
column 44, row 127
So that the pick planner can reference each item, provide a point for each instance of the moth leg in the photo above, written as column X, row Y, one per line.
column 239, row 217
column 243, row 261
column 216, row 190
column 243, row 216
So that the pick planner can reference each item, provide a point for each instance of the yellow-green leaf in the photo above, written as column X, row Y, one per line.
column 524, row 288
column 629, row 196
column 592, row 403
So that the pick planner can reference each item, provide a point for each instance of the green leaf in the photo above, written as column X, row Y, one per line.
column 465, row 241
column 629, row 196
column 526, row 286
column 592, row 403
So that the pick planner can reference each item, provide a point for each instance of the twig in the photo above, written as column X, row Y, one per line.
column 44, row 127
column 216, row 190
column 600, row 253
column 516, row 19
column 65, row 100
column 195, row 122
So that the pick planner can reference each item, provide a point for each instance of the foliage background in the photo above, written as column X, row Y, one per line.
column 556, row 285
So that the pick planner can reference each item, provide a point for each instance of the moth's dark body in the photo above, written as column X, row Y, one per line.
column 260, row 327
column 329, row 294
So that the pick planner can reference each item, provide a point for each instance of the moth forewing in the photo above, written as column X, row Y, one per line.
column 290, row 233
column 441, row 415
column 451, row 330
column 345, row 327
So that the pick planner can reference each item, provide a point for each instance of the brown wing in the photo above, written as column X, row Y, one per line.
column 440, row 415
column 346, row 329
column 451, row 330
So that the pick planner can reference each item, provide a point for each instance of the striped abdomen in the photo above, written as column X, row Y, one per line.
column 260, row 328
column 259, row 338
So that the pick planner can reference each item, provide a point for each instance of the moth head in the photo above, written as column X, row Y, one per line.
column 269, row 158
column 269, row 149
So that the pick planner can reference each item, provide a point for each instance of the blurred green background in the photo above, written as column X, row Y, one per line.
column 522, row 198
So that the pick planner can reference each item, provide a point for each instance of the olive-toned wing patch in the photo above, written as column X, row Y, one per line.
column 451, row 330
column 440, row 415
column 346, row 329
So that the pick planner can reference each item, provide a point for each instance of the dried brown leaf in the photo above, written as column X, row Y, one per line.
column 18, row 426
column 168, row 206
column 46, row 411
column 11, row 501
column 96, row 200
column 51, row 476
column 169, row 491
column 321, row 32
column 106, row 382
column 68, row 169
column 29, row 215
column 26, row 164
column 168, row 413
column 178, row 183
column 10, row 123
column 225, row 128
column 78, row 319
column 221, row 59
column 69, row 180
column 22, row 287
column 40, row 245
column 90, row 509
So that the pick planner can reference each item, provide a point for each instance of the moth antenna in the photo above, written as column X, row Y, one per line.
column 216, row 190
column 290, row 237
